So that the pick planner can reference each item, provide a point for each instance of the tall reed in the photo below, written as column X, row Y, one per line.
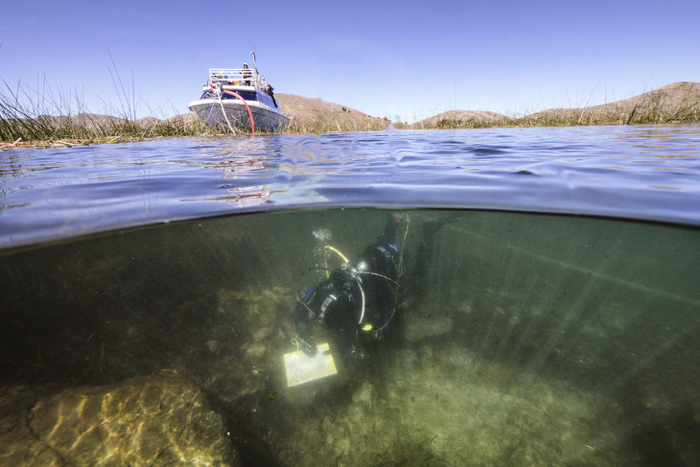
column 27, row 114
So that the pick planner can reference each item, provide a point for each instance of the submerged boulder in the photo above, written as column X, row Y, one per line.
column 146, row 420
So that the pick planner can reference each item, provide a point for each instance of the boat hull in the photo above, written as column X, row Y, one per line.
column 227, row 115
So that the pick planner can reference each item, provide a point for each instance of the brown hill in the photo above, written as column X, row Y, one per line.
column 313, row 115
column 462, row 119
column 674, row 103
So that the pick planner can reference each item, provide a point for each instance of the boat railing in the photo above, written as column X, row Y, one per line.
column 237, row 77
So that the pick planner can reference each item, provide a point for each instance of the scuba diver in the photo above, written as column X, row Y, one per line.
column 357, row 303
column 360, row 303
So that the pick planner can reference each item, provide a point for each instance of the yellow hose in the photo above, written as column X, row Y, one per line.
column 325, row 261
column 339, row 253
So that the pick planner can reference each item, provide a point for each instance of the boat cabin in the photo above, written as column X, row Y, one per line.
column 246, row 82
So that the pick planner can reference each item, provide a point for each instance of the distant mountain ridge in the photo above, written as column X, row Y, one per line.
column 675, row 103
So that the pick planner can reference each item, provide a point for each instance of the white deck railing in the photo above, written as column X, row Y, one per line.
column 237, row 77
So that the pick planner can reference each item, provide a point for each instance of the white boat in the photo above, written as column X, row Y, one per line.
column 239, row 99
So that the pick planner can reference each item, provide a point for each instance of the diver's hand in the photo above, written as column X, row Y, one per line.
column 308, row 346
column 357, row 351
column 309, row 349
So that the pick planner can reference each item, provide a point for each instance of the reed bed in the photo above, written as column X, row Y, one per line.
column 451, row 121
column 306, row 125
column 32, row 118
column 29, row 117
column 29, row 120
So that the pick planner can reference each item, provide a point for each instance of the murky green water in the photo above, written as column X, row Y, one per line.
column 549, row 313
column 527, row 339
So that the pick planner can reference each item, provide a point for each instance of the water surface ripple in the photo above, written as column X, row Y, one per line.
column 637, row 172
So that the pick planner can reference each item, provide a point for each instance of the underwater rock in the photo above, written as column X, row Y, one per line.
column 253, row 323
column 255, row 316
column 18, row 446
column 231, row 377
column 254, row 353
column 262, row 334
column 364, row 397
column 215, row 346
column 145, row 420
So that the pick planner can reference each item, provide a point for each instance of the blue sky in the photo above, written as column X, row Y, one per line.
column 404, row 60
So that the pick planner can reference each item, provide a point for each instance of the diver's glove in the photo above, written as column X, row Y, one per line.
column 308, row 346
column 357, row 351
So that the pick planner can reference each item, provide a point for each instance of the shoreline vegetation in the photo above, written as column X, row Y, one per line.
column 33, row 125
column 674, row 103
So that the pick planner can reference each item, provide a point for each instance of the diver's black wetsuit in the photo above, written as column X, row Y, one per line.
column 360, row 303
column 355, row 302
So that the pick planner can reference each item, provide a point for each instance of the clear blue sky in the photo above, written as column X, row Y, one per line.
column 400, row 59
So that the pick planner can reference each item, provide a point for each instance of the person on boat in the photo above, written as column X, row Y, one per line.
column 246, row 73
column 356, row 302
column 270, row 90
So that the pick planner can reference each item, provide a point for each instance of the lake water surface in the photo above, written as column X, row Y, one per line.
column 642, row 172
column 546, row 309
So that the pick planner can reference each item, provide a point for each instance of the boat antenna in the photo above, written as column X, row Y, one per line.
column 254, row 64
